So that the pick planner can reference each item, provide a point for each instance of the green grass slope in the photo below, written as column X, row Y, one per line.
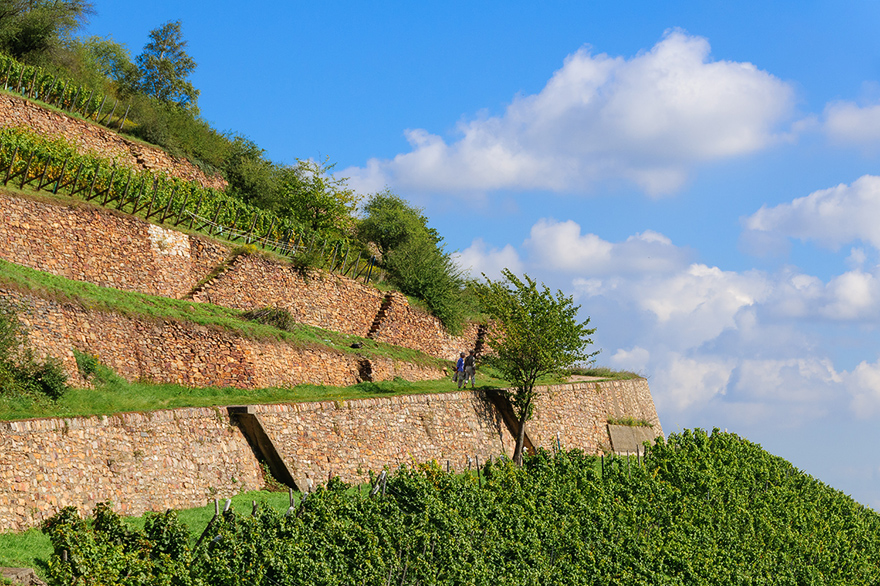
column 112, row 394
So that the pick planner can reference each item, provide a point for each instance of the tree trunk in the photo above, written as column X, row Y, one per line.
column 520, row 442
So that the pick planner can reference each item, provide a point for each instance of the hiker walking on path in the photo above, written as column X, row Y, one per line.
column 470, row 369
column 459, row 370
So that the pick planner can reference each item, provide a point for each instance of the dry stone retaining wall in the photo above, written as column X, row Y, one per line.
column 166, row 351
column 96, row 139
column 82, row 242
column 333, row 302
column 138, row 461
column 579, row 413
column 184, row 457
column 411, row 327
column 348, row 439
column 315, row 298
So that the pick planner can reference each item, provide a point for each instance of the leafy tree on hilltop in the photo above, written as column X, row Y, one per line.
column 109, row 60
column 390, row 222
column 31, row 29
column 414, row 257
column 165, row 66
column 316, row 199
column 252, row 177
column 537, row 334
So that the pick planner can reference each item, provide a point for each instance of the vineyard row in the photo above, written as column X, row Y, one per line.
column 29, row 160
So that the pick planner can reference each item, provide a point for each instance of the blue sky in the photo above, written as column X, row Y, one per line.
column 702, row 176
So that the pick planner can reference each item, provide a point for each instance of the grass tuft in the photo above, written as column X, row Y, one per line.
column 603, row 372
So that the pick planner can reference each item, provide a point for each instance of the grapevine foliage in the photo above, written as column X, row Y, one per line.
column 701, row 509
column 56, row 162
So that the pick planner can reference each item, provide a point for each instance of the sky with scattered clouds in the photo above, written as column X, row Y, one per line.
column 702, row 177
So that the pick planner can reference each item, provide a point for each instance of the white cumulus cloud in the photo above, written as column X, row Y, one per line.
column 688, row 382
column 479, row 258
column 648, row 120
column 863, row 384
column 635, row 359
column 831, row 217
column 847, row 123
column 561, row 246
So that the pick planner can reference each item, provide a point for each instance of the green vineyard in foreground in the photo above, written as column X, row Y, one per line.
column 700, row 509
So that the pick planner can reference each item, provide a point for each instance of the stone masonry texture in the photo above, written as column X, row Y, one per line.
column 332, row 302
column 350, row 438
column 579, row 412
column 83, row 242
column 315, row 298
column 413, row 328
column 166, row 351
column 138, row 461
column 184, row 457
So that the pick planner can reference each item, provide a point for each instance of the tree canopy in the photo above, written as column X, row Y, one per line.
column 165, row 67
column 414, row 257
column 535, row 334
column 30, row 29
column 391, row 222
column 317, row 200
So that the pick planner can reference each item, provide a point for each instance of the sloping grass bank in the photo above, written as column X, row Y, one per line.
column 139, row 305
column 32, row 548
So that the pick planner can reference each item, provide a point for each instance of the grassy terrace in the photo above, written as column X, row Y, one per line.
column 112, row 394
column 149, row 307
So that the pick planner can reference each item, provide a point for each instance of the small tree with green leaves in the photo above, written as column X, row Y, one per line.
column 313, row 197
column 165, row 68
column 536, row 334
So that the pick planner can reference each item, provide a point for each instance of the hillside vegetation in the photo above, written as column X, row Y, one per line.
column 37, row 388
column 42, row 58
column 700, row 509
